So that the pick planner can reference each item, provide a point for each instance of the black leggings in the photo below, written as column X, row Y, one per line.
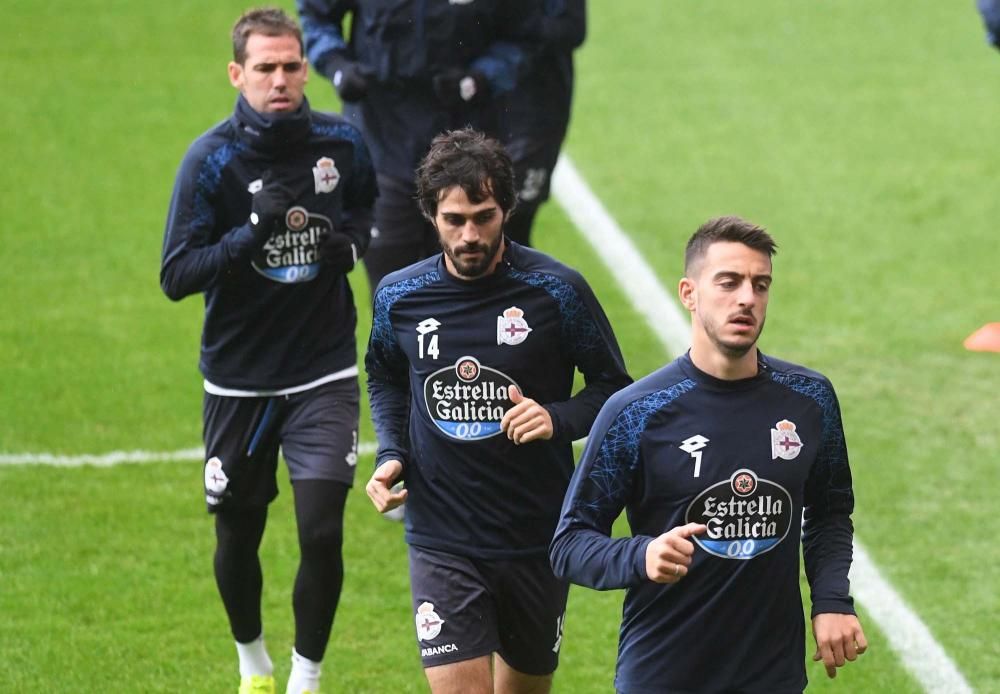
column 319, row 513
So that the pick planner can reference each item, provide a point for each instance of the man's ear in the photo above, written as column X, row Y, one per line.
column 235, row 74
column 686, row 292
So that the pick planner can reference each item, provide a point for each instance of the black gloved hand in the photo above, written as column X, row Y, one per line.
column 456, row 86
column 349, row 78
column 268, row 208
column 338, row 251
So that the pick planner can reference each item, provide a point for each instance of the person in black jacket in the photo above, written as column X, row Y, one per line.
column 471, row 364
column 409, row 70
column 270, row 210
column 536, row 111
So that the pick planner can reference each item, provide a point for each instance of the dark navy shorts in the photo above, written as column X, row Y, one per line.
column 316, row 430
column 466, row 607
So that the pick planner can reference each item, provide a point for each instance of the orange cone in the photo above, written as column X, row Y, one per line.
column 986, row 339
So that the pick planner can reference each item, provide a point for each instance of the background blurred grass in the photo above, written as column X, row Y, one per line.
column 858, row 134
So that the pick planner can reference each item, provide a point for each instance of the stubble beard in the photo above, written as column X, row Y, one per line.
column 733, row 350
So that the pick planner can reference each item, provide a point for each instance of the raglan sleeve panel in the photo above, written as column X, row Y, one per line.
column 195, row 254
column 827, row 529
column 595, row 352
column 582, row 549
column 388, row 383
column 359, row 197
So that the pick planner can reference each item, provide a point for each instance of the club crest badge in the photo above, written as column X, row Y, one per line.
column 216, row 481
column 785, row 443
column 428, row 622
column 325, row 175
column 512, row 329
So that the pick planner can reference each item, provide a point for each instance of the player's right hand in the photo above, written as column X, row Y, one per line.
column 669, row 555
column 350, row 79
column 379, row 487
column 268, row 208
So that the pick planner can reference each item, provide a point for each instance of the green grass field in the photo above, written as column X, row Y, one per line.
column 859, row 133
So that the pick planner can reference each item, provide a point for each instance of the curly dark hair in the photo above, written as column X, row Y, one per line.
column 471, row 160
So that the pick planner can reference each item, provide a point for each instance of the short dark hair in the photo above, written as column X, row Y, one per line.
column 728, row 228
column 268, row 21
column 470, row 159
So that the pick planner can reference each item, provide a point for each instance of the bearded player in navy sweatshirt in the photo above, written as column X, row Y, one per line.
column 470, row 365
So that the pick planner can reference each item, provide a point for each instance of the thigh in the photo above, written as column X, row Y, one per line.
column 466, row 677
column 319, row 435
column 507, row 680
column 241, row 451
column 454, row 613
column 531, row 602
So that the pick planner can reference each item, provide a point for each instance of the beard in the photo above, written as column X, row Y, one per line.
column 736, row 347
column 473, row 267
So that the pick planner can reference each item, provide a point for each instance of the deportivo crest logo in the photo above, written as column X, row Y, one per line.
column 512, row 329
column 216, row 480
column 325, row 175
column 785, row 443
column 428, row 622
column 746, row 516
column 466, row 401
column 293, row 255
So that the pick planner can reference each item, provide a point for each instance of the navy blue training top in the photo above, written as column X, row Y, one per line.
column 442, row 356
column 750, row 459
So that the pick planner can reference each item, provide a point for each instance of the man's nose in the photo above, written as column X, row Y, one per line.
column 746, row 295
column 470, row 232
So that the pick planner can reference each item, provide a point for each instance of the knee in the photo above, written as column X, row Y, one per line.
column 321, row 539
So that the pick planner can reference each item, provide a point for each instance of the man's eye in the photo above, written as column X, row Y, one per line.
column 484, row 217
column 293, row 67
column 265, row 67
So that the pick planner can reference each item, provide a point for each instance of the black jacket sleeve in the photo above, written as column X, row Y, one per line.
column 194, row 258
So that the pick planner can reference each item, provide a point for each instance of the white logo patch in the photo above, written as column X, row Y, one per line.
column 255, row 187
column 428, row 622
column 693, row 445
column 352, row 456
column 215, row 478
column 785, row 443
column 512, row 329
column 325, row 175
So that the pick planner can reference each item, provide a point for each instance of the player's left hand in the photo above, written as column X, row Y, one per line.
column 526, row 420
column 839, row 638
column 338, row 251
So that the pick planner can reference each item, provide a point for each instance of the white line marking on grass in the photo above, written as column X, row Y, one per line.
column 119, row 457
column 912, row 641
column 910, row 638
column 621, row 257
